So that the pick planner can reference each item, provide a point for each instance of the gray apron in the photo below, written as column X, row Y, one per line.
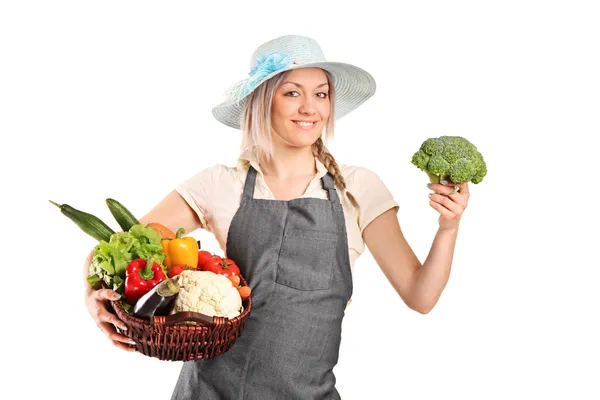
column 294, row 255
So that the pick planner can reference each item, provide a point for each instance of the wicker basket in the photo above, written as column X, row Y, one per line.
column 166, row 338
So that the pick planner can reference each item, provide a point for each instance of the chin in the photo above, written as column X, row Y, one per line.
column 305, row 136
column 307, row 140
column 299, row 143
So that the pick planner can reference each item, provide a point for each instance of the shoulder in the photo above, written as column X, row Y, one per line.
column 358, row 177
column 211, row 176
column 364, row 184
column 369, row 190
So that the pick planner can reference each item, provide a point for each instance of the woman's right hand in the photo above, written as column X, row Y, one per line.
column 95, row 301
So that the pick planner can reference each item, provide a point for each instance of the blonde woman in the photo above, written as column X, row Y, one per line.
column 295, row 221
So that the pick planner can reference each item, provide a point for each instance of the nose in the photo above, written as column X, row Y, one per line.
column 307, row 106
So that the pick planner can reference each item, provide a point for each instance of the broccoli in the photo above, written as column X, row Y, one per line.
column 450, row 158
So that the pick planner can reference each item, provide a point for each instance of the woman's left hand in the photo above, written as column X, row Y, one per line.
column 450, row 203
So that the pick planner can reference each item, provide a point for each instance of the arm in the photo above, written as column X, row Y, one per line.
column 174, row 213
column 419, row 285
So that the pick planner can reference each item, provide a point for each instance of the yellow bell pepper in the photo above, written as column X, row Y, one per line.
column 181, row 250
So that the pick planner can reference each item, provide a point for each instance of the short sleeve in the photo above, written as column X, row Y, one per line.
column 373, row 196
column 199, row 191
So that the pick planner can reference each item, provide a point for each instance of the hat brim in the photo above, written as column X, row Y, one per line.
column 353, row 86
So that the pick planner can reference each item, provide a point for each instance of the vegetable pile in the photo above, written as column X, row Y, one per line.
column 143, row 263
column 112, row 258
column 450, row 158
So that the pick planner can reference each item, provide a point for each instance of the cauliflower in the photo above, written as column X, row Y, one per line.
column 207, row 293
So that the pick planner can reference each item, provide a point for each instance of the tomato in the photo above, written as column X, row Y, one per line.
column 177, row 269
column 203, row 257
column 232, row 266
column 218, row 265
column 213, row 258
column 230, row 262
column 211, row 262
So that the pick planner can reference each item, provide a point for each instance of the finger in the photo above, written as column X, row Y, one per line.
column 117, row 337
column 126, row 347
column 442, row 210
column 458, row 197
column 105, row 316
column 107, row 294
column 447, row 202
column 442, row 189
column 109, row 330
column 120, row 341
column 113, row 335
column 447, row 189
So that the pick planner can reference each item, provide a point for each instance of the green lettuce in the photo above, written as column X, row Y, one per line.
column 111, row 258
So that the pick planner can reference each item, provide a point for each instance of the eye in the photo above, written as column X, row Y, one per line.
column 324, row 95
column 290, row 93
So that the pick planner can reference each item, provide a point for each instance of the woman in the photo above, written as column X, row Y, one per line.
column 295, row 221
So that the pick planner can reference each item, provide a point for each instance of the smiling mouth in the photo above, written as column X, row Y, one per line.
column 305, row 123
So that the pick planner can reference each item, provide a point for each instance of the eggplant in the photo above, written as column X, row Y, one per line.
column 158, row 300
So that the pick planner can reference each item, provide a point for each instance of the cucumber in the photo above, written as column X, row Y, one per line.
column 124, row 217
column 88, row 223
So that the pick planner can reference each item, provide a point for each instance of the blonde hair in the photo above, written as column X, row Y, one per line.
column 256, row 129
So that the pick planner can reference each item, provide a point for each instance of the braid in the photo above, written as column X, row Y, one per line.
column 327, row 159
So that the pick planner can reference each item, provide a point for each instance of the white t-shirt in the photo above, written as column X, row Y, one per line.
column 215, row 194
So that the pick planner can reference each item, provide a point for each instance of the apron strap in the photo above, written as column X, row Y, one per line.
column 329, row 185
column 250, row 183
column 327, row 180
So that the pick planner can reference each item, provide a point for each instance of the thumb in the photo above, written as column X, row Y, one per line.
column 108, row 294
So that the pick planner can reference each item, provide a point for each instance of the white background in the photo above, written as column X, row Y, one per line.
column 113, row 99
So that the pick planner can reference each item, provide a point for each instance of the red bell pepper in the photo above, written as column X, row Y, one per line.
column 141, row 278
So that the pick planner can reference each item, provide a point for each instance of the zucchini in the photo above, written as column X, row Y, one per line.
column 124, row 217
column 88, row 223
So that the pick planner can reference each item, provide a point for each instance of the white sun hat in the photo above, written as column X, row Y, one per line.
column 353, row 85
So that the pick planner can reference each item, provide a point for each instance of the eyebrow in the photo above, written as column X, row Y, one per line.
column 300, row 86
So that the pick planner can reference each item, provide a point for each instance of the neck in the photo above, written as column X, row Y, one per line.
column 288, row 163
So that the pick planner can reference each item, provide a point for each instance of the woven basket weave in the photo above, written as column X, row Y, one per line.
column 168, row 338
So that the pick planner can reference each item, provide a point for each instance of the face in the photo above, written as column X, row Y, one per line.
column 300, row 107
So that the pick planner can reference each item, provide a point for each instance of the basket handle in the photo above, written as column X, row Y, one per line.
column 187, row 316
